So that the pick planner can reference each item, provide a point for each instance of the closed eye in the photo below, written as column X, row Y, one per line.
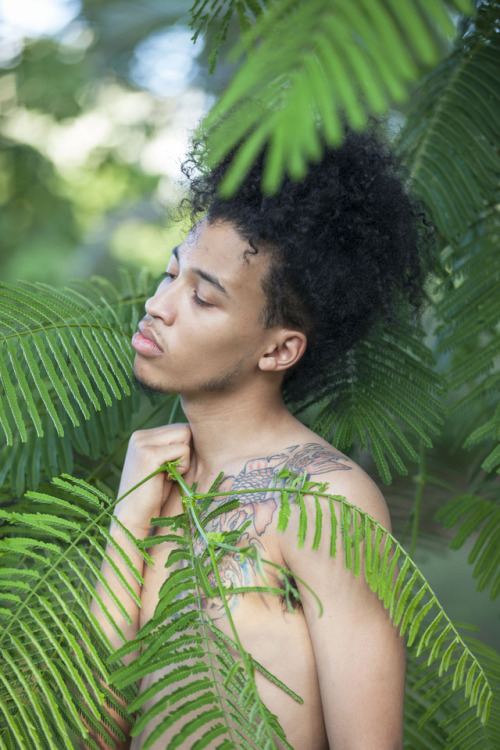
column 200, row 301
column 172, row 276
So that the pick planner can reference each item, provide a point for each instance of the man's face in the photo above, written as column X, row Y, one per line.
column 203, row 331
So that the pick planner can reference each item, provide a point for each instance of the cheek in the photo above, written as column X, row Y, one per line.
column 219, row 335
column 239, row 337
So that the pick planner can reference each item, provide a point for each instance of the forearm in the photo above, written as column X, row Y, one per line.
column 144, row 490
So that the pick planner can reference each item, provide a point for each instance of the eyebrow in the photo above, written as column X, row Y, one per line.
column 211, row 278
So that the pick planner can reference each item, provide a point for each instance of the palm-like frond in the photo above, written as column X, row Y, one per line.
column 207, row 674
column 219, row 16
column 417, row 735
column 368, row 549
column 411, row 602
column 45, row 694
column 24, row 465
column 474, row 514
column 470, row 315
column 434, row 718
column 464, row 733
column 386, row 399
column 64, row 353
column 414, row 501
column 313, row 65
column 450, row 140
column 53, row 653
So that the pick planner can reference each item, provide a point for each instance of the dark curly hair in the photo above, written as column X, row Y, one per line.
column 346, row 245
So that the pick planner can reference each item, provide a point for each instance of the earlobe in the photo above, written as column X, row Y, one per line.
column 284, row 352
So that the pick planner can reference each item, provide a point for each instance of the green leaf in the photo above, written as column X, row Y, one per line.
column 359, row 56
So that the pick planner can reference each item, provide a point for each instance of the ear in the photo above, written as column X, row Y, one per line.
column 284, row 351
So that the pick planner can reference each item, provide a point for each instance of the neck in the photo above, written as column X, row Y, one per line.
column 231, row 426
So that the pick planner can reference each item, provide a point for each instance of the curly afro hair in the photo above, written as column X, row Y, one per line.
column 346, row 245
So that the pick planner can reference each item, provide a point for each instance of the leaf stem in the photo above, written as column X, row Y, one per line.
column 189, row 501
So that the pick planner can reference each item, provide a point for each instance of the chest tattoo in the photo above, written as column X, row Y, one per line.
column 237, row 570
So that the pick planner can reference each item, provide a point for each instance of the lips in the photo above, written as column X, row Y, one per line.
column 145, row 331
column 145, row 343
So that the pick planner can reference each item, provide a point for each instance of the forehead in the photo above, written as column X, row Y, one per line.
column 219, row 249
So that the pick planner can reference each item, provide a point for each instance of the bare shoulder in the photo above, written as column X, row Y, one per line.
column 326, row 464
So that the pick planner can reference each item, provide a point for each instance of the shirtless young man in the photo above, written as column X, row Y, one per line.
column 265, row 295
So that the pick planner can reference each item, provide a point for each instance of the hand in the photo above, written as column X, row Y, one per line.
column 147, row 451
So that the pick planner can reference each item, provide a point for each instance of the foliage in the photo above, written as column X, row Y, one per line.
column 434, row 719
column 80, row 142
column 476, row 513
column 470, row 316
column 51, row 619
column 68, row 324
column 66, row 406
column 450, row 141
column 315, row 65
column 388, row 399
column 79, row 338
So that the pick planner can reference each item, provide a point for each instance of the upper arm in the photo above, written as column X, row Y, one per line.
column 360, row 658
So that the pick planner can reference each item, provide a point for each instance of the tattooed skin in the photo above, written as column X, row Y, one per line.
column 236, row 569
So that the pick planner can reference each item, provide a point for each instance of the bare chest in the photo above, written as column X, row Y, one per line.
column 245, row 523
column 243, row 512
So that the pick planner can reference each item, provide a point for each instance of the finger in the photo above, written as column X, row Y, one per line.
column 172, row 433
column 179, row 452
column 182, row 432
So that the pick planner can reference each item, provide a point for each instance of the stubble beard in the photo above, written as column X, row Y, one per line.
column 222, row 384
column 147, row 389
column 213, row 385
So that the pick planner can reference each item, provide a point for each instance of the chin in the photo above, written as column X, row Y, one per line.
column 150, row 389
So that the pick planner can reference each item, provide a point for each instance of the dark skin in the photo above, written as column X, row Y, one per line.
column 213, row 348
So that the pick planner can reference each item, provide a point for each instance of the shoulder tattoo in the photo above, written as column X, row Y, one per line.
column 260, row 508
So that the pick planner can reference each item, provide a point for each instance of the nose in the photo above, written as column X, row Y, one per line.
column 162, row 305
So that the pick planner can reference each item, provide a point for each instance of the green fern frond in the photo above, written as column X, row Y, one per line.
column 61, row 352
column 450, row 140
column 386, row 400
column 209, row 687
column 189, row 634
column 434, row 713
column 472, row 305
column 470, row 315
column 51, row 621
column 220, row 15
column 368, row 550
column 24, row 465
column 213, row 678
column 413, row 607
column 412, row 604
column 478, row 516
column 315, row 64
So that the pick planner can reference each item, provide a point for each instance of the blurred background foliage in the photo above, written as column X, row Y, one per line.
column 97, row 101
